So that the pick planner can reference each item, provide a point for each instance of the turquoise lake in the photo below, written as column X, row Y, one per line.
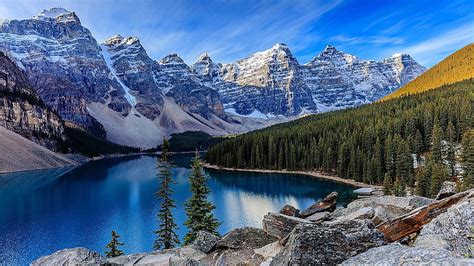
column 44, row 211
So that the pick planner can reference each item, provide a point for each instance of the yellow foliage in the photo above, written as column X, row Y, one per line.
column 456, row 67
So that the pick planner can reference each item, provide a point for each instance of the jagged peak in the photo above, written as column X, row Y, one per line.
column 330, row 47
column 118, row 39
column 172, row 58
column 331, row 52
column 280, row 46
column 204, row 57
column 401, row 56
column 56, row 13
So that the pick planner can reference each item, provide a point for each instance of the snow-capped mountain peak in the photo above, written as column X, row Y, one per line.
column 57, row 13
column 172, row 59
column 204, row 57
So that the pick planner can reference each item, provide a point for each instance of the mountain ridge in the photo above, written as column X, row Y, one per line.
column 105, row 86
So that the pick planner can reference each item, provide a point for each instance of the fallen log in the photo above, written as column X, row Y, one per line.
column 327, row 204
column 413, row 221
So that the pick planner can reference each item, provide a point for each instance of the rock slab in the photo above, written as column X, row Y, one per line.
column 328, row 244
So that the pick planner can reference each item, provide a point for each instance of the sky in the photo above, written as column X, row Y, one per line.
column 230, row 30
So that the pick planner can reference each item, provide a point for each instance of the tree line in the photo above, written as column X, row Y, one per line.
column 375, row 144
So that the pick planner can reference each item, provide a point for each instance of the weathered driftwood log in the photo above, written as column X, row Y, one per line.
column 327, row 204
column 413, row 221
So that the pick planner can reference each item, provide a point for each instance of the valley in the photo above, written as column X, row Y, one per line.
column 236, row 133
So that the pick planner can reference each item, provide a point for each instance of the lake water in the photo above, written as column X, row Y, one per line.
column 44, row 211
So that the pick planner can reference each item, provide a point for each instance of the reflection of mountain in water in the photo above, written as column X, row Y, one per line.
column 277, row 185
column 23, row 182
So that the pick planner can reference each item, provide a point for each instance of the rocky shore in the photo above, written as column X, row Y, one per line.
column 385, row 230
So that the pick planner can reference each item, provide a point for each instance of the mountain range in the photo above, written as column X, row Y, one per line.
column 115, row 90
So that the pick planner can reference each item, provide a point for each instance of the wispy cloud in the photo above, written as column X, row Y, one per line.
column 232, row 29
column 432, row 50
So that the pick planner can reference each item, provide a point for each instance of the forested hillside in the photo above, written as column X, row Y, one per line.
column 372, row 143
column 456, row 67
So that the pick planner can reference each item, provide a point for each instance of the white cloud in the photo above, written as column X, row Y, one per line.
column 434, row 49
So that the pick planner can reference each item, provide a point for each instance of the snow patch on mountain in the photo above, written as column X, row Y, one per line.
column 109, row 62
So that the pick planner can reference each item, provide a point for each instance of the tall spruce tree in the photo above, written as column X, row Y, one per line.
column 166, row 236
column 198, row 207
column 436, row 146
column 468, row 159
column 113, row 246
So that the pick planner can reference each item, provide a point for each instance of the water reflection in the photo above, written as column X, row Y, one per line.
column 41, row 212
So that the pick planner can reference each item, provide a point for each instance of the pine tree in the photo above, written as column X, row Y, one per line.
column 166, row 235
column 198, row 208
column 439, row 174
column 450, row 155
column 387, row 184
column 113, row 246
column 399, row 187
column 468, row 159
column 436, row 148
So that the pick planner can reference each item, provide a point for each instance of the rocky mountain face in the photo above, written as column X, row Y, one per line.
column 115, row 90
column 272, row 82
column 23, row 112
column 64, row 63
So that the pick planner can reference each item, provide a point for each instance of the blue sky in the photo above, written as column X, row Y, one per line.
column 230, row 30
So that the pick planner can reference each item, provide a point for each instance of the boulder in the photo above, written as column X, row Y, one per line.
column 362, row 213
column 205, row 241
column 396, row 254
column 71, row 256
column 447, row 189
column 320, row 216
column 156, row 257
column 385, row 208
column 364, row 191
column 186, row 256
column 269, row 251
column 289, row 210
column 451, row 230
column 328, row 243
column 327, row 204
column 280, row 225
column 247, row 237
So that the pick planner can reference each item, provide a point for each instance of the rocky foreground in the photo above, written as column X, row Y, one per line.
column 385, row 230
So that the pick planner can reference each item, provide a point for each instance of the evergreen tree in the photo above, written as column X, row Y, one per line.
column 436, row 146
column 198, row 208
column 166, row 235
column 439, row 174
column 113, row 246
column 387, row 184
column 450, row 155
column 468, row 159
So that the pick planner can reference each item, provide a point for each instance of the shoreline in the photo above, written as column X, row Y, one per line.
column 314, row 174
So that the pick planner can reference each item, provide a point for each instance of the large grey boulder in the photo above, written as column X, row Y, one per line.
column 205, row 241
column 384, row 208
column 280, row 225
column 328, row 243
column 247, row 237
column 396, row 254
column 71, row 256
column 452, row 230
column 448, row 188
column 327, row 204
column 156, row 257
